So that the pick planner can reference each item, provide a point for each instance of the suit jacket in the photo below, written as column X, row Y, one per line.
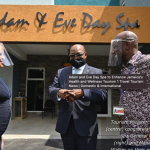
column 83, row 109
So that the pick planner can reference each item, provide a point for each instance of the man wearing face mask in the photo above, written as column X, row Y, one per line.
column 135, row 132
column 77, row 120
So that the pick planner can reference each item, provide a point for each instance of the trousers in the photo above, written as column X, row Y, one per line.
column 73, row 141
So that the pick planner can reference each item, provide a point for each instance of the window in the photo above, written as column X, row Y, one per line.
column 35, row 73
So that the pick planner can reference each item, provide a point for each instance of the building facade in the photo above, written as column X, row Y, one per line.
column 39, row 44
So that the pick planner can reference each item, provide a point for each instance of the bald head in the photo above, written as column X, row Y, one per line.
column 128, row 35
column 78, row 47
column 78, row 51
column 128, row 44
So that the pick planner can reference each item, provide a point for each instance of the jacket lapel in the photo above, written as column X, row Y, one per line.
column 86, row 69
column 66, row 72
column 69, row 70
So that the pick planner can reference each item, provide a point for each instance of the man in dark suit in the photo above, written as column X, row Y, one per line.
column 77, row 120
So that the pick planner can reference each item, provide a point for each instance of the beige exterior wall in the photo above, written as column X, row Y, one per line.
column 49, row 33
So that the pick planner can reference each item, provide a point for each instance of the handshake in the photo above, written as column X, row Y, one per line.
column 70, row 95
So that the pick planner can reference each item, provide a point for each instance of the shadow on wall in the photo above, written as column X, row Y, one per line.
column 145, row 49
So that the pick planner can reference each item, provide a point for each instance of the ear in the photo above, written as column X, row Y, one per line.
column 85, row 55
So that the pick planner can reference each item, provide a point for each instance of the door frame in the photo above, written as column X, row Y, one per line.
column 35, row 79
column 109, row 114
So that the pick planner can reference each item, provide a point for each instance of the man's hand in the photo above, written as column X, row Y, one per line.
column 69, row 97
column 63, row 94
column 76, row 93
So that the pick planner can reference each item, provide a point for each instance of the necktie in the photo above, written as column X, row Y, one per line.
column 76, row 70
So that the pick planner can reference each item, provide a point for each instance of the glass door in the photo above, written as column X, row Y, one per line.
column 35, row 90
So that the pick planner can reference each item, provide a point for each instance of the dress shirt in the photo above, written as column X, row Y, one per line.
column 136, row 103
column 80, row 70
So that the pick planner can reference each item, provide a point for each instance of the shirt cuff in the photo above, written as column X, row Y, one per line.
column 58, row 98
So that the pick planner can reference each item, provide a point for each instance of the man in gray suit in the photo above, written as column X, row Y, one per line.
column 77, row 120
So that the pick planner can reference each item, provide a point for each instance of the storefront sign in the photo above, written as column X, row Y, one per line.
column 75, row 24
column 96, row 23
column 71, row 22
column 12, row 21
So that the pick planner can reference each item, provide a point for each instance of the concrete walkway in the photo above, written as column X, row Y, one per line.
column 32, row 133
column 35, row 133
column 33, row 144
column 32, row 128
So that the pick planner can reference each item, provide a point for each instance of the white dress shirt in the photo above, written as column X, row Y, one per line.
column 80, row 70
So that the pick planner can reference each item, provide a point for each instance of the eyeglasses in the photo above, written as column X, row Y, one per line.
column 76, row 55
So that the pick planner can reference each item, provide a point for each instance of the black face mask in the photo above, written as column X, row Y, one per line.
column 77, row 63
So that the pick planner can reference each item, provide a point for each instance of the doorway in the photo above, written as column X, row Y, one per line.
column 35, row 89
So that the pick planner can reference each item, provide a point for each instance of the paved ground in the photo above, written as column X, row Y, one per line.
column 32, row 126
column 50, row 144
column 35, row 133
column 33, row 144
